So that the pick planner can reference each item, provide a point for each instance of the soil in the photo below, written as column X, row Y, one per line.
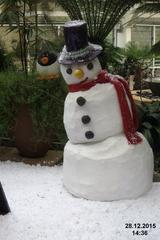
column 52, row 157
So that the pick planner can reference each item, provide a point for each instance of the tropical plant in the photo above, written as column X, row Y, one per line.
column 136, row 62
column 149, row 119
column 136, row 59
column 111, row 57
column 149, row 126
column 100, row 15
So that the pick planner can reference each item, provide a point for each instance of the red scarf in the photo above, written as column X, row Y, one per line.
column 130, row 121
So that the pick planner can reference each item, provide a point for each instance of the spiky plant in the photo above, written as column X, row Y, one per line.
column 100, row 15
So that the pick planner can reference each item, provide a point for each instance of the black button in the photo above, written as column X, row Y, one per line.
column 81, row 101
column 86, row 119
column 89, row 135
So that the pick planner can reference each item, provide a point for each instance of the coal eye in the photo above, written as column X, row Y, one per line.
column 69, row 70
column 90, row 66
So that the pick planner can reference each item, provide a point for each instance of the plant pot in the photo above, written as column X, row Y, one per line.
column 25, row 139
column 154, row 85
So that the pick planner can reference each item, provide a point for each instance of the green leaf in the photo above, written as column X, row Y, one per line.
column 157, row 129
column 148, row 135
column 101, row 15
column 147, row 125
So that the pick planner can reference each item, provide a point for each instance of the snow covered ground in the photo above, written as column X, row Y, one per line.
column 43, row 210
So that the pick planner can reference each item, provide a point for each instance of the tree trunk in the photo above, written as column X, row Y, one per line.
column 24, row 39
column 138, row 78
column 20, row 40
column 36, row 31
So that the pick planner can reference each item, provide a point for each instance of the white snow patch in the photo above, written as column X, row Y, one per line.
column 43, row 210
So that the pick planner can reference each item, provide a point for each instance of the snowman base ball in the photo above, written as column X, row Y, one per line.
column 108, row 170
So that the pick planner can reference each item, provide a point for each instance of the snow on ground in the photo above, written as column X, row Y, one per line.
column 43, row 210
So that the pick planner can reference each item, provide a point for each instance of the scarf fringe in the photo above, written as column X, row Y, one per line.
column 130, row 121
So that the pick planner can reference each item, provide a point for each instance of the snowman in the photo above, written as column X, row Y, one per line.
column 105, row 158
column 47, row 66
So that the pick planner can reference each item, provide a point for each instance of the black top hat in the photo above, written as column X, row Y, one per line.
column 77, row 48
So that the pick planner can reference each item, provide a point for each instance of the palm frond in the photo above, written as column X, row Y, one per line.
column 100, row 15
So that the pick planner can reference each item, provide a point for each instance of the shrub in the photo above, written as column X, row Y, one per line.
column 149, row 118
column 45, row 98
column 128, row 61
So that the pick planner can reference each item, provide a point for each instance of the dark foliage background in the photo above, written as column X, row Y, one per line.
column 46, row 101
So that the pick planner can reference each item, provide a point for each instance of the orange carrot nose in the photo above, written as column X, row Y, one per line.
column 44, row 60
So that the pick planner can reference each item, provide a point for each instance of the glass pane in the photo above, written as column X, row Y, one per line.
column 142, row 36
column 157, row 34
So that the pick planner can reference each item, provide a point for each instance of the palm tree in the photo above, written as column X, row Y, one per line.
column 100, row 15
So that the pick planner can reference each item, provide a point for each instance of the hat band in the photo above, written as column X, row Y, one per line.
column 80, row 53
column 88, row 53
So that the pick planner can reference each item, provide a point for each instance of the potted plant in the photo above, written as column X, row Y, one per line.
column 33, row 113
column 29, row 137
column 39, row 106
column 137, row 61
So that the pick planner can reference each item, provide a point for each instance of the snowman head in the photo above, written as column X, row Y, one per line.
column 80, row 72
column 78, row 59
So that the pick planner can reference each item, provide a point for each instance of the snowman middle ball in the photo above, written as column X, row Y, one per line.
column 91, row 115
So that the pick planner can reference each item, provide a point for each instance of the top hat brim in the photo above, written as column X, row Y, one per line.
column 84, row 55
